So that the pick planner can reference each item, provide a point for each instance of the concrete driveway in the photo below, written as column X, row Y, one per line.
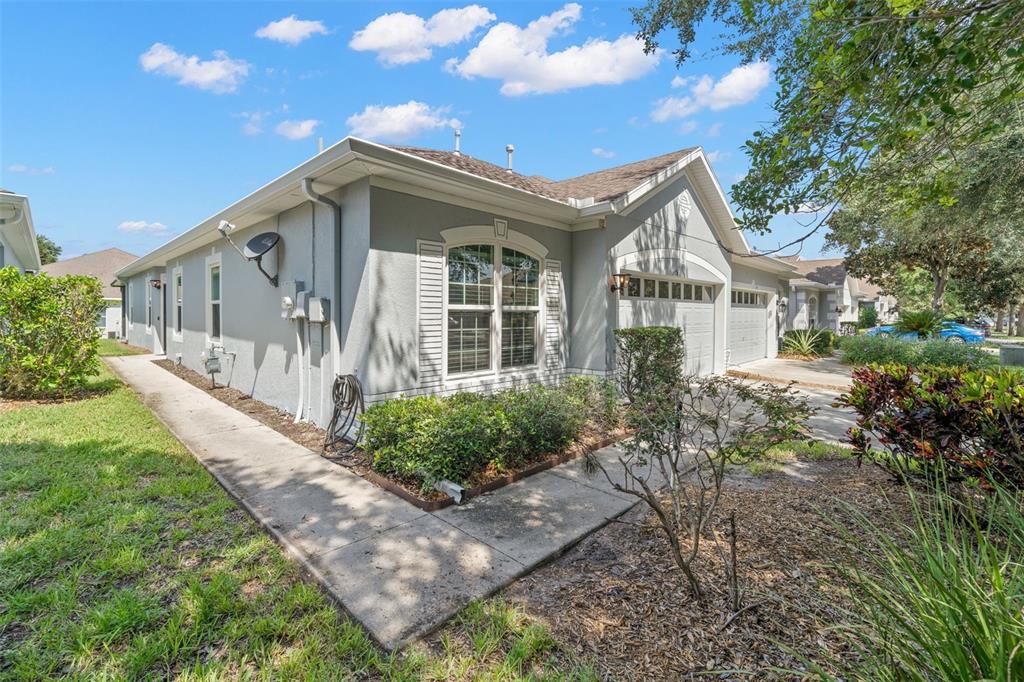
column 821, row 381
column 826, row 373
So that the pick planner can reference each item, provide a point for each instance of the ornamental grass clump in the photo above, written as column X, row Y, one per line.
column 938, row 598
column 48, row 335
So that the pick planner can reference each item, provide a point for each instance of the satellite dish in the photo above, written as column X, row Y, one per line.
column 258, row 246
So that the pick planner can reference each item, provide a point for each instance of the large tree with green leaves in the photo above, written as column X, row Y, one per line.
column 49, row 250
column 890, row 225
column 896, row 85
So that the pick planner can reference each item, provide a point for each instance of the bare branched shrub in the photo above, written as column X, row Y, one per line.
column 686, row 437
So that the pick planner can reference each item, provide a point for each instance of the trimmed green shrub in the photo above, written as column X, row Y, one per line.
column 865, row 350
column 430, row 438
column 48, row 335
column 599, row 398
column 867, row 317
column 648, row 359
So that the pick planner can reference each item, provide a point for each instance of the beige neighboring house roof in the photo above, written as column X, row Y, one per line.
column 100, row 264
column 830, row 272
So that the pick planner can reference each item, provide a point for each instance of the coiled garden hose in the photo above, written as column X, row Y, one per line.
column 345, row 430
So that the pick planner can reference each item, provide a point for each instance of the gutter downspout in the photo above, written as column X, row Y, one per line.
column 335, row 320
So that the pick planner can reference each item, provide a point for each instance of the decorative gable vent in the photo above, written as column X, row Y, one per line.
column 683, row 205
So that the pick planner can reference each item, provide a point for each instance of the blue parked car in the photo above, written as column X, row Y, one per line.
column 953, row 332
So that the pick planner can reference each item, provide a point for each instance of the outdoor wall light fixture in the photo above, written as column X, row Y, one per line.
column 839, row 308
column 618, row 282
column 783, row 302
column 156, row 283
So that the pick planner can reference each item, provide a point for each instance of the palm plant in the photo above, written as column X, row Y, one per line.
column 924, row 323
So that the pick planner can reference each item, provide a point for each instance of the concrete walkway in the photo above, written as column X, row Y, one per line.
column 825, row 373
column 399, row 571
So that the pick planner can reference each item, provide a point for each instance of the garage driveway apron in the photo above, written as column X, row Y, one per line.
column 398, row 570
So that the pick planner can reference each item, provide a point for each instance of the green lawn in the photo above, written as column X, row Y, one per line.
column 115, row 347
column 121, row 558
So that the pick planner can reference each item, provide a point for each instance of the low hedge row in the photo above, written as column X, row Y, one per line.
column 429, row 438
column 865, row 350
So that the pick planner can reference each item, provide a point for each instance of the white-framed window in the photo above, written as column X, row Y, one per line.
column 668, row 290
column 214, row 310
column 493, row 308
column 749, row 298
column 177, row 301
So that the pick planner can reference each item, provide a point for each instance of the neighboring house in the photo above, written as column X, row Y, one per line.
column 102, row 265
column 824, row 296
column 18, row 246
column 424, row 271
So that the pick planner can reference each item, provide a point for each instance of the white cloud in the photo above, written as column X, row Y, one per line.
column 679, row 81
column 716, row 156
column 602, row 153
column 519, row 57
column 739, row 86
column 297, row 130
column 220, row 74
column 401, row 38
column 253, row 121
column 138, row 226
column 688, row 127
column 30, row 170
column 291, row 30
column 715, row 130
column 399, row 122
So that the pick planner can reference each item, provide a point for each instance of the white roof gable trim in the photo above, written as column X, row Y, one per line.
column 18, row 229
column 352, row 159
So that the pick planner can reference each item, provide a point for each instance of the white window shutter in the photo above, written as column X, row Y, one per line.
column 555, row 346
column 430, row 312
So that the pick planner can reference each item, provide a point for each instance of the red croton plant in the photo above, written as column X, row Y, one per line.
column 913, row 419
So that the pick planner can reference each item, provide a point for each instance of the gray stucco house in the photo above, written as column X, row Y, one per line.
column 824, row 296
column 426, row 271
column 18, row 246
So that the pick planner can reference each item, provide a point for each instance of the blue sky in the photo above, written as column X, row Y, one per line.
column 127, row 123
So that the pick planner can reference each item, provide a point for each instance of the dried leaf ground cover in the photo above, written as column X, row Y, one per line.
column 617, row 598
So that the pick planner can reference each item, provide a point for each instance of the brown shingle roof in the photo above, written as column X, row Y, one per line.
column 483, row 169
column 613, row 182
column 600, row 185
column 830, row 271
column 100, row 264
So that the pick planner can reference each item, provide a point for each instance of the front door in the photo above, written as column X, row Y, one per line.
column 158, row 319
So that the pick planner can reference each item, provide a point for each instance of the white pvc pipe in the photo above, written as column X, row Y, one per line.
column 302, row 382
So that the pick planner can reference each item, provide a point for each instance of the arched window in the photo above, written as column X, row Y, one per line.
column 493, row 319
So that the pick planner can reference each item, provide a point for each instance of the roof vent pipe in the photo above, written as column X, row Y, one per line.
column 458, row 142
column 509, row 149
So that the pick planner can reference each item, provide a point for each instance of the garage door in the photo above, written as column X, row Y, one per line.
column 675, row 304
column 748, row 326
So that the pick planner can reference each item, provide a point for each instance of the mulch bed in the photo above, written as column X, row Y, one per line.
column 311, row 436
column 618, row 600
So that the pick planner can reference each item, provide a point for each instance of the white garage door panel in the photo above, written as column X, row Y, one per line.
column 697, row 320
column 748, row 334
